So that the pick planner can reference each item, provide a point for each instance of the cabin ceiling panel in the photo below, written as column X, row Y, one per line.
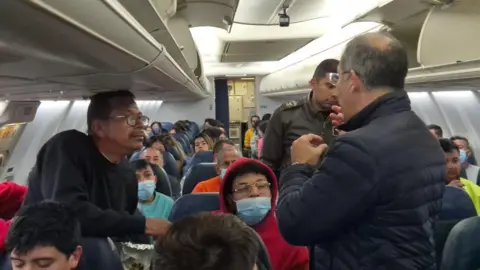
column 470, row 84
column 258, row 51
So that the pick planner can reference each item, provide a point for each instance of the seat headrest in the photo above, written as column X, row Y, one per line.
column 192, row 204
column 456, row 204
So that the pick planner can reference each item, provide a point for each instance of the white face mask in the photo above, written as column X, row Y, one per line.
column 222, row 173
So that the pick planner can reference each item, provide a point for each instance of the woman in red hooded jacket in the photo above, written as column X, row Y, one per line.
column 11, row 198
column 249, row 190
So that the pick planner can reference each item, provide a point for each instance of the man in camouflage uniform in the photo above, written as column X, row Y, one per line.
column 296, row 118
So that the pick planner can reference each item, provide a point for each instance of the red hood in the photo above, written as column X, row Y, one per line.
column 11, row 198
column 227, row 180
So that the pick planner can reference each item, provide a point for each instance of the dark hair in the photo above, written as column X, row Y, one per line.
column 139, row 164
column 325, row 67
column 103, row 104
column 461, row 138
column 378, row 66
column 212, row 122
column 266, row 116
column 448, row 146
column 207, row 242
column 220, row 124
column 263, row 126
column 179, row 126
column 253, row 116
column 219, row 145
column 437, row 128
column 46, row 224
column 214, row 133
column 206, row 138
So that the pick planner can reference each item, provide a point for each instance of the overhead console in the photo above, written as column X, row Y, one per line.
column 53, row 49
column 440, row 36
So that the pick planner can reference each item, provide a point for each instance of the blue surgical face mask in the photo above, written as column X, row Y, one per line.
column 146, row 189
column 222, row 173
column 253, row 210
column 463, row 156
column 156, row 129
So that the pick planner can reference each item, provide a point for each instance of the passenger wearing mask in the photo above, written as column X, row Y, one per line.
column 224, row 159
column 250, row 133
column 11, row 198
column 207, row 242
column 249, row 190
column 203, row 142
column 454, row 165
column 436, row 130
column 154, row 156
column 470, row 171
column 296, row 118
column 373, row 201
column 156, row 128
column 90, row 174
column 45, row 236
column 151, row 203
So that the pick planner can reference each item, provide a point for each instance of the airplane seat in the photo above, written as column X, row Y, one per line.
column 5, row 263
column 98, row 254
column 179, row 138
column 170, row 165
column 192, row 204
column 163, row 184
column 167, row 126
column 456, row 204
column 172, row 150
column 198, row 173
column 136, row 155
column 202, row 157
column 462, row 246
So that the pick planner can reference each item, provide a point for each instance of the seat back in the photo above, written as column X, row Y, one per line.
column 98, row 254
column 462, row 246
column 170, row 165
column 5, row 263
column 456, row 204
column 167, row 126
column 440, row 234
column 198, row 173
column 202, row 157
column 163, row 184
column 192, row 204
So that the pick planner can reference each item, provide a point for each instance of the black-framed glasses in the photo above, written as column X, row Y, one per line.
column 132, row 119
column 246, row 189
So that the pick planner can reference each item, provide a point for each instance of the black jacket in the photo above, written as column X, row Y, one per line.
column 373, row 202
column 71, row 170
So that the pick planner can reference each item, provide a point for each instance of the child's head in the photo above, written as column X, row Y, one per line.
column 45, row 236
column 208, row 241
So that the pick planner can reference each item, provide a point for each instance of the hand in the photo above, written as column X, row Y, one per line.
column 456, row 183
column 307, row 149
column 156, row 226
column 337, row 116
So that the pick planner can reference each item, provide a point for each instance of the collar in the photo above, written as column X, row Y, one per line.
column 390, row 103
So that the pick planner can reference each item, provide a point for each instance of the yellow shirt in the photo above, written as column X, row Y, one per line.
column 248, row 138
column 473, row 192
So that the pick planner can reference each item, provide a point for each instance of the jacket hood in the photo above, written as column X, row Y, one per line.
column 11, row 198
column 227, row 181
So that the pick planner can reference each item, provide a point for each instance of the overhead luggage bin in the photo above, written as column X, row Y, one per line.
column 68, row 50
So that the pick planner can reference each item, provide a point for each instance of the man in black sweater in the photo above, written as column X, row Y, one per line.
column 90, row 174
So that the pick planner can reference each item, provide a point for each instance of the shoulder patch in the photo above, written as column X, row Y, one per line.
column 291, row 105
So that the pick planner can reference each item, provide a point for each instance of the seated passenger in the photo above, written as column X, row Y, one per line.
column 156, row 128
column 90, row 174
column 154, row 156
column 249, row 190
column 207, row 242
column 203, row 142
column 224, row 159
column 11, row 198
column 452, row 155
column 210, row 122
column 214, row 133
column 470, row 171
column 45, row 236
column 151, row 203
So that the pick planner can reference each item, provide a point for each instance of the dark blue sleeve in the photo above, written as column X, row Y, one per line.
column 314, row 206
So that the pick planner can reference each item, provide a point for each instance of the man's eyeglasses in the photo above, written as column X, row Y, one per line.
column 245, row 190
column 132, row 119
column 333, row 78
